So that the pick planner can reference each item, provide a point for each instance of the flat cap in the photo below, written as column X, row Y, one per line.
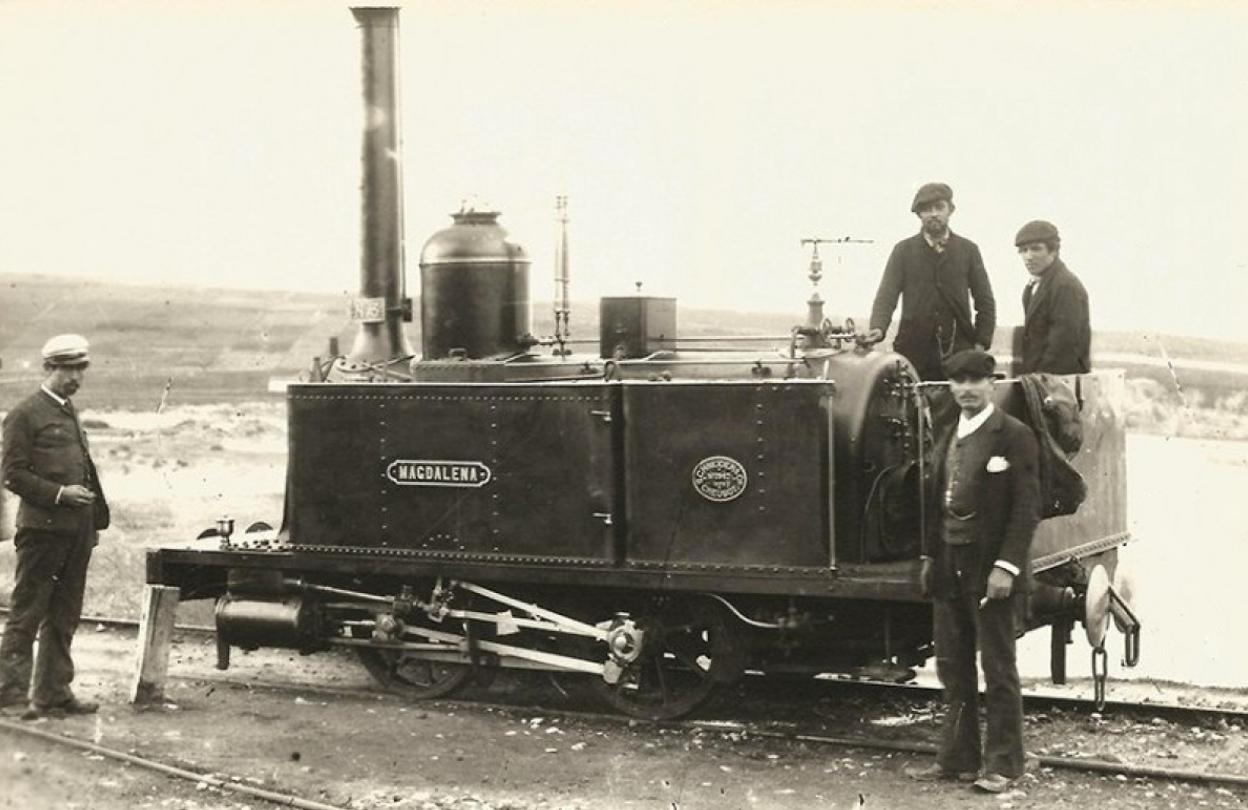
column 930, row 192
column 1036, row 231
column 67, row 350
column 975, row 363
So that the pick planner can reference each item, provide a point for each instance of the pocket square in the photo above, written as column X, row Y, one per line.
column 997, row 464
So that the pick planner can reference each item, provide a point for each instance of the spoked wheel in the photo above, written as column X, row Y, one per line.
column 411, row 677
column 688, row 652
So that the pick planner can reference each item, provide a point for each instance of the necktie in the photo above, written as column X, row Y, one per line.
column 68, row 407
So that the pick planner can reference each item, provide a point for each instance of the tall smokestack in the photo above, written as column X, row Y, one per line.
column 382, row 306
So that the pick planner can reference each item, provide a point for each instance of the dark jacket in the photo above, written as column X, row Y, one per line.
column 45, row 449
column 1006, row 503
column 1052, row 413
column 1057, row 336
column 935, row 312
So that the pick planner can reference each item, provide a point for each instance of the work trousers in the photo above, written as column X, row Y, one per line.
column 47, row 604
column 960, row 626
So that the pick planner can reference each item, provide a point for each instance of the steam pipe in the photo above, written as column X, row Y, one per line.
column 563, row 307
column 382, row 306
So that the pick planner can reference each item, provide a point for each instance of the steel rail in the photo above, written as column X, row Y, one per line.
column 281, row 799
column 1058, row 701
column 1064, row 763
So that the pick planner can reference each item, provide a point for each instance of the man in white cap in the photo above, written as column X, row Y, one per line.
column 47, row 463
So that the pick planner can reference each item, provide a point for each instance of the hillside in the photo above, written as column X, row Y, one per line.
column 211, row 345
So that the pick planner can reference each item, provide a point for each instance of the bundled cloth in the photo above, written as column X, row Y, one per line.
column 1053, row 414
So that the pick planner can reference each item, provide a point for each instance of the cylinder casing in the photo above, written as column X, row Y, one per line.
column 252, row 623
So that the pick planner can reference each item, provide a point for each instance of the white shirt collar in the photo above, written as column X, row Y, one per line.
column 59, row 399
column 939, row 243
column 968, row 425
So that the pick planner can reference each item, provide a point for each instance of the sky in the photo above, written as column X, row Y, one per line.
column 217, row 144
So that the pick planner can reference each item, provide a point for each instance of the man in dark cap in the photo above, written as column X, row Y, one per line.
column 985, row 490
column 47, row 463
column 1057, row 336
column 933, row 272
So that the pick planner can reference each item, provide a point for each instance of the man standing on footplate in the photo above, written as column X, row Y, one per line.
column 1056, row 334
column 985, row 491
column 47, row 463
column 936, row 273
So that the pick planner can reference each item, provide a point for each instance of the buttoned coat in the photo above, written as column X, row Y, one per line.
column 44, row 450
column 1057, row 335
column 1006, row 502
column 935, row 311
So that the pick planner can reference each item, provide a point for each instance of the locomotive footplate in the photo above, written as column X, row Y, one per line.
column 199, row 570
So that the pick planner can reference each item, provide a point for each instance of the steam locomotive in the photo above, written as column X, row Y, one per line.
column 654, row 518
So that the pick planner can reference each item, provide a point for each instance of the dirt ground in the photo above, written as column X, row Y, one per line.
column 358, row 748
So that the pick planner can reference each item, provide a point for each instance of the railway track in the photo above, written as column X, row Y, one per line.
column 787, row 732
column 238, row 786
column 807, row 687
column 227, row 785
column 520, row 710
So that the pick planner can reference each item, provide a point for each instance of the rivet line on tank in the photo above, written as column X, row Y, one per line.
column 413, row 398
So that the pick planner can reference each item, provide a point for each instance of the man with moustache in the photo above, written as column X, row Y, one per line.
column 985, row 488
column 933, row 272
column 47, row 463
column 1056, row 333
